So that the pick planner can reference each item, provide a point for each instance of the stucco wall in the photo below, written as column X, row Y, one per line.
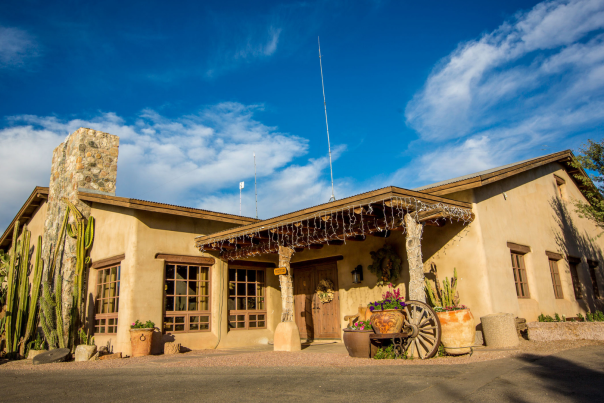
column 140, row 235
column 531, row 213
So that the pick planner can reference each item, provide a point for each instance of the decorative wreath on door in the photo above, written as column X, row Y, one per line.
column 325, row 290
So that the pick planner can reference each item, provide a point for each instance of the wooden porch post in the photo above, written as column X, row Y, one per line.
column 414, row 257
column 287, row 287
column 287, row 334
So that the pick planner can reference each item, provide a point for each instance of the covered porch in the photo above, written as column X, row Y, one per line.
column 328, row 241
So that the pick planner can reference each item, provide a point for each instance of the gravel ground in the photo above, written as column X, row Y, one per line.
column 305, row 358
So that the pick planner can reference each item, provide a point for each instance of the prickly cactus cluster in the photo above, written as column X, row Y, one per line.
column 447, row 296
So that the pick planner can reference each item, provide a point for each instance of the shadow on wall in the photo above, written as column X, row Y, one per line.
column 576, row 244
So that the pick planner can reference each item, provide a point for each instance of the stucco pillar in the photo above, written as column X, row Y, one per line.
column 414, row 257
column 287, row 286
column 287, row 334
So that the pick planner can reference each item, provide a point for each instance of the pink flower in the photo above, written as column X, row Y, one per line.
column 133, row 323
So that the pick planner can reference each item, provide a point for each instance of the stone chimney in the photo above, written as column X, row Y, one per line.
column 85, row 161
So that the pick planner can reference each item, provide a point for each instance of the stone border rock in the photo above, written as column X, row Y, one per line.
column 550, row 331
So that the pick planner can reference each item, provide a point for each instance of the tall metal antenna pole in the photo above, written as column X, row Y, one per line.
column 241, row 186
column 255, row 187
column 333, row 197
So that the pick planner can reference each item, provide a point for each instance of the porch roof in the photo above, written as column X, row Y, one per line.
column 349, row 219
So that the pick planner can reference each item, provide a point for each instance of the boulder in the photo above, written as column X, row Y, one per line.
column 499, row 330
column 171, row 348
column 48, row 357
column 84, row 352
column 95, row 357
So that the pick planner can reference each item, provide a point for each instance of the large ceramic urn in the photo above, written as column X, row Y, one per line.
column 140, row 340
column 457, row 331
column 387, row 321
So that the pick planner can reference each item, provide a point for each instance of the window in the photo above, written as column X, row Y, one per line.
column 246, row 304
column 107, row 300
column 522, row 290
column 187, row 298
column 594, row 280
column 573, row 264
column 561, row 186
column 553, row 268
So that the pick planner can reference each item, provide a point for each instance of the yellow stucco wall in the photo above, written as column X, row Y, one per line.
column 533, row 214
column 140, row 235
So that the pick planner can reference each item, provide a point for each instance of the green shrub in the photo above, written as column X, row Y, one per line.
column 388, row 353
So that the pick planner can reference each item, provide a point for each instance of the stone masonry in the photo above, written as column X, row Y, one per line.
column 87, row 159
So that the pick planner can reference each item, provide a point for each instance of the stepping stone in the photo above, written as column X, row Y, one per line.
column 56, row 355
column 171, row 348
column 111, row 356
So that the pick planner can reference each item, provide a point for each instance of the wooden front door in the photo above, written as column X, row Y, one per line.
column 315, row 319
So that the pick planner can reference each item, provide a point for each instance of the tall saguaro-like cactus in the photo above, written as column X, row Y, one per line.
column 10, row 293
column 34, row 297
column 21, row 296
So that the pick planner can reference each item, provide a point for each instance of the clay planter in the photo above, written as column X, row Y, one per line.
column 457, row 330
column 357, row 343
column 140, row 340
column 387, row 321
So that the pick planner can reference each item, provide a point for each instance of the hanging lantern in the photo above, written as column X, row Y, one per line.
column 357, row 274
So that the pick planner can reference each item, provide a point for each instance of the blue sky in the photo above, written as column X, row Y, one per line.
column 416, row 91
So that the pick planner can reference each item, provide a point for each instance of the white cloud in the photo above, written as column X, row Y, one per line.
column 196, row 160
column 255, row 45
column 537, row 79
column 16, row 47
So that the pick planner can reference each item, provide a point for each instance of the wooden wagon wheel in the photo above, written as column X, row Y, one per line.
column 423, row 325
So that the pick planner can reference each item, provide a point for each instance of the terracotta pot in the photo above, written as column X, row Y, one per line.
column 357, row 343
column 457, row 330
column 387, row 321
column 140, row 340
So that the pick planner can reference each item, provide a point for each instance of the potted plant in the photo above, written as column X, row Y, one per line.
column 141, row 335
column 458, row 330
column 387, row 316
column 356, row 339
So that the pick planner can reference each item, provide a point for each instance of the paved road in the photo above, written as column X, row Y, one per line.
column 571, row 376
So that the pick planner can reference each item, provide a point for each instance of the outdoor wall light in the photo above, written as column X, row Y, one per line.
column 357, row 274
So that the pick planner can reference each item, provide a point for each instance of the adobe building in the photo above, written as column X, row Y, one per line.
column 207, row 279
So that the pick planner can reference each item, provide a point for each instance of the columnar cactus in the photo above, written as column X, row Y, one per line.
column 47, row 316
column 10, row 293
column 21, row 296
column 35, row 293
